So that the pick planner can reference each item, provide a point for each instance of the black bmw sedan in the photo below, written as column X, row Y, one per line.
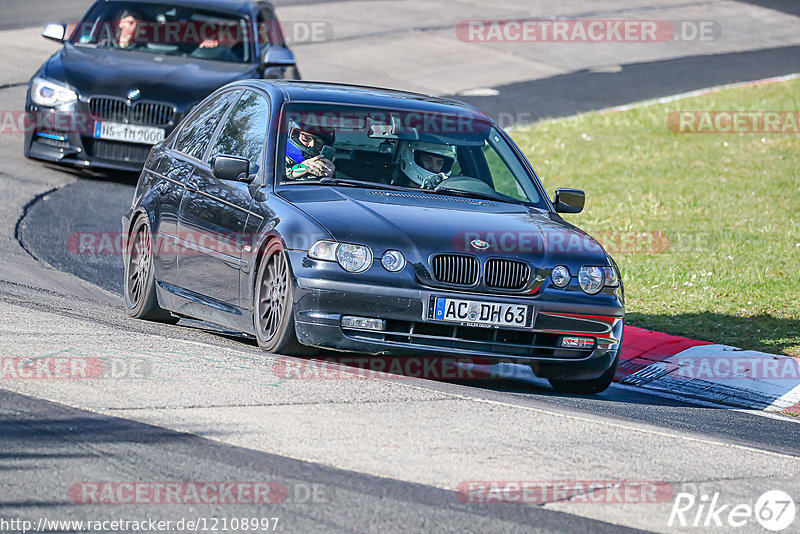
column 130, row 70
column 368, row 220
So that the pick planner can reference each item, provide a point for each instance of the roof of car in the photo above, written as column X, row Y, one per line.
column 339, row 93
column 232, row 6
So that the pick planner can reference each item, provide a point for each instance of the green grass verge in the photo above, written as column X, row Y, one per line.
column 728, row 204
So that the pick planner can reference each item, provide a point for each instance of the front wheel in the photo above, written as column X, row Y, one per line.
column 272, row 303
column 139, row 285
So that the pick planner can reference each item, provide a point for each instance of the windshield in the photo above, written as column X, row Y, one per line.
column 463, row 155
column 165, row 29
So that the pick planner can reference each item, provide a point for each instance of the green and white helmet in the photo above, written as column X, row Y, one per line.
column 419, row 160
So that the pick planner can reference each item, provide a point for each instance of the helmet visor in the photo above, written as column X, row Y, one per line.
column 433, row 162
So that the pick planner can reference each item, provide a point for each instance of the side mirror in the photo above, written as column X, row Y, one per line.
column 55, row 32
column 231, row 168
column 277, row 56
column 569, row 200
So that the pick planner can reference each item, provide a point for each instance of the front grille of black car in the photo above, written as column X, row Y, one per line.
column 116, row 151
column 456, row 269
column 506, row 274
column 497, row 341
column 119, row 110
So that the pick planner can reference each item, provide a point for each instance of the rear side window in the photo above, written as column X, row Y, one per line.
column 245, row 129
column 194, row 136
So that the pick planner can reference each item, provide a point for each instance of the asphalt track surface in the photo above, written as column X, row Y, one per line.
column 41, row 438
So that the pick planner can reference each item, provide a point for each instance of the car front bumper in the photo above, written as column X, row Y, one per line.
column 321, row 302
column 70, row 142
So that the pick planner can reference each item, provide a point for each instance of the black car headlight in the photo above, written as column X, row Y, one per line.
column 352, row 258
column 51, row 94
column 323, row 250
column 592, row 279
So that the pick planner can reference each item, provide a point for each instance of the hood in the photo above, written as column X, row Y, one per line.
column 177, row 80
column 421, row 224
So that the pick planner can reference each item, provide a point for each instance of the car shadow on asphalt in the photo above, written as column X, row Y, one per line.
column 103, row 175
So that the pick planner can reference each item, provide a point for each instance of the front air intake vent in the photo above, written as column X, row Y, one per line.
column 506, row 274
column 456, row 269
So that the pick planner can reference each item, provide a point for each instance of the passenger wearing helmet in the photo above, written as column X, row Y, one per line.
column 426, row 164
column 306, row 149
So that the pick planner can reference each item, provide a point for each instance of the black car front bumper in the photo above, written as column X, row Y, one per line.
column 71, row 142
column 320, row 303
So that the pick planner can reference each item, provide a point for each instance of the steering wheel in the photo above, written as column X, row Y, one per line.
column 466, row 183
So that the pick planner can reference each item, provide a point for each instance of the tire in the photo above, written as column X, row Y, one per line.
column 273, row 319
column 139, row 284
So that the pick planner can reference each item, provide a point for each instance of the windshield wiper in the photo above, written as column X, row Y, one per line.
column 471, row 194
column 349, row 183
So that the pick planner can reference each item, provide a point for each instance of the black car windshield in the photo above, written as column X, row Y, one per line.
column 460, row 154
column 166, row 29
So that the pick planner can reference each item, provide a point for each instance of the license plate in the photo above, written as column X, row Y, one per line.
column 116, row 131
column 480, row 313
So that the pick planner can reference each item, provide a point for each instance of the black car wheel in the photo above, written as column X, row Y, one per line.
column 140, row 291
column 272, row 303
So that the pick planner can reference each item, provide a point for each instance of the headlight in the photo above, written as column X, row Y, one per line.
column 591, row 279
column 393, row 260
column 611, row 276
column 323, row 250
column 560, row 276
column 47, row 93
column 354, row 258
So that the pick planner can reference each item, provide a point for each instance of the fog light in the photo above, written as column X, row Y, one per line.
column 560, row 276
column 577, row 342
column 363, row 323
column 393, row 260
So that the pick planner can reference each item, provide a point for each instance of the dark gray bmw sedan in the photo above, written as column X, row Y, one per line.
column 369, row 220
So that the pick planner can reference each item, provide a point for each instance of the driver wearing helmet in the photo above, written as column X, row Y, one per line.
column 306, row 150
column 426, row 164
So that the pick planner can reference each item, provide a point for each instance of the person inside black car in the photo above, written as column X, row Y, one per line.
column 309, row 152
column 126, row 29
column 133, row 32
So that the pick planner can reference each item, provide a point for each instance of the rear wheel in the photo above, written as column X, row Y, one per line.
column 272, row 303
column 140, row 290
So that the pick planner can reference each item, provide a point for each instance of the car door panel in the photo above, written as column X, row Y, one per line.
column 213, row 213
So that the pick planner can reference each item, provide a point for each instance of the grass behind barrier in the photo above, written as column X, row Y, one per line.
column 728, row 205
